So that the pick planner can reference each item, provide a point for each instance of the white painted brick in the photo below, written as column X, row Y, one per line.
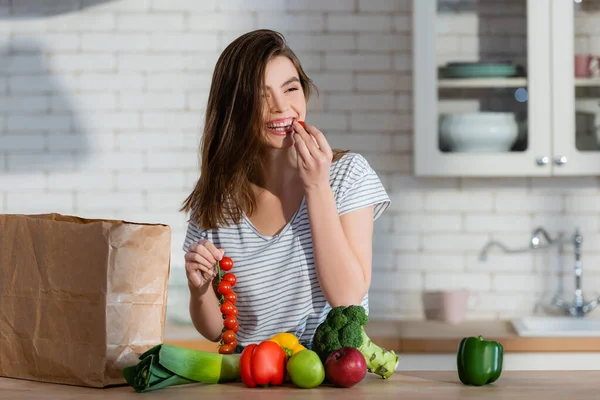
column 364, row 142
column 184, row 42
column 566, row 185
column 23, row 64
column 518, row 185
column 168, row 200
column 243, row 5
column 111, row 81
column 102, row 121
column 3, row 84
column 383, row 42
column 81, row 142
column 175, row 220
column 566, row 223
column 149, row 140
column 447, row 45
column 172, row 160
column 109, row 201
column 151, row 101
column 359, row 23
column 415, row 222
column 402, row 62
column 200, row 62
column 80, row 22
column 390, row 162
column 329, row 121
column 383, row 261
column 107, row 161
column 108, row 42
column 89, row 181
column 27, row 104
column 457, row 280
column 179, row 82
column 87, row 101
column 404, row 183
column 469, row 45
column 403, row 102
column 40, row 161
column 51, row 41
column 457, row 24
column 221, row 22
column 361, row 102
column 454, row 242
column 396, row 242
column 291, row 22
column 322, row 42
column 503, row 302
column 383, row 82
column 380, row 121
column 33, row 84
column 402, row 23
column 381, row 303
column 198, row 101
column 406, row 201
column 383, row 5
column 81, row 62
column 517, row 202
column 184, row 5
column 22, row 141
column 497, row 261
column 150, row 22
column 35, row 201
column 170, row 120
column 357, row 62
column 518, row 283
column 150, row 62
column 150, row 180
column 333, row 80
column 395, row 281
column 582, row 203
column 41, row 122
column 191, row 178
column 320, row 6
column 461, row 201
column 121, row 5
column 33, row 180
column 430, row 262
column 498, row 223
column 402, row 143
column 3, row 163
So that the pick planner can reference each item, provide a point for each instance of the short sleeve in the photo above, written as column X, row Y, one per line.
column 359, row 186
column 193, row 234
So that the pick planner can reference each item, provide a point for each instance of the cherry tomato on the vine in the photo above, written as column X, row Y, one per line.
column 231, row 278
column 226, row 349
column 228, row 336
column 226, row 264
column 224, row 287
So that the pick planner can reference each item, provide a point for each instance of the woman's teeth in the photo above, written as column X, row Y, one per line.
column 282, row 126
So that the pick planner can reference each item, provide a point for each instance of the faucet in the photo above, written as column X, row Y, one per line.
column 578, row 308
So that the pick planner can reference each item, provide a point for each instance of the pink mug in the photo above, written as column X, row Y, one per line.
column 447, row 305
column 582, row 65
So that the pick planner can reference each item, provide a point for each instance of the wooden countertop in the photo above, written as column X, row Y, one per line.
column 531, row 385
column 421, row 336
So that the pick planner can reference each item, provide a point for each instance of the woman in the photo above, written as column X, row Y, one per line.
column 295, row 216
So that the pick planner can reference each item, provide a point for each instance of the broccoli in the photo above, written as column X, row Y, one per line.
column 344, row 327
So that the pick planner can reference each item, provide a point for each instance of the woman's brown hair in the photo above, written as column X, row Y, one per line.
column 233, row 143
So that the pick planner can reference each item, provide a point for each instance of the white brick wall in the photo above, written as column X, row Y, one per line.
column 102, row 107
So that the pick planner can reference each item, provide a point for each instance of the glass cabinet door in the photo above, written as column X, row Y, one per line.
column 482, row 95
column 576, row 83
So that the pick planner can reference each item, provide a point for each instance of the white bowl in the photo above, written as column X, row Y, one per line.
column 478, row 132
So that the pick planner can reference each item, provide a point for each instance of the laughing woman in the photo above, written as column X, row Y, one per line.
column 295, row 216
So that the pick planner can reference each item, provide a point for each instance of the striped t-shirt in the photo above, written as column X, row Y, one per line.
column 277, row 287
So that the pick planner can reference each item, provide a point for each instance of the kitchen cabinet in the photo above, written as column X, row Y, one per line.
column 498, row 89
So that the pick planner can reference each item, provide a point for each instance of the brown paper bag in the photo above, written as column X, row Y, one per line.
column 80, row 299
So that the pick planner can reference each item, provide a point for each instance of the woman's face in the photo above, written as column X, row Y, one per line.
column 284, row 102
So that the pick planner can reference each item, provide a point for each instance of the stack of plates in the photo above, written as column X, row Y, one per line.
column 477, row 70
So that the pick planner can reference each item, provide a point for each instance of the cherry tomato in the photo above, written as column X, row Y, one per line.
column 230, row 322
column 235, row 328
column 226, row 349
column 231, row 278
column 228, row 336
column 232, row 297
column 227, row 308
column 226, row 264
column 224, row 288
column 302, row 123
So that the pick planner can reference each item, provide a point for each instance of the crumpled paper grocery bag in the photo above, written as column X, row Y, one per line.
column 80, row 299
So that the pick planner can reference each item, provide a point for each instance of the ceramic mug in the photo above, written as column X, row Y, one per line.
column 586, row 65
column 448, row 305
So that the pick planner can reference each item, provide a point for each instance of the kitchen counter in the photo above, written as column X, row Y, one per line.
column 531, row 385
column 421, row 336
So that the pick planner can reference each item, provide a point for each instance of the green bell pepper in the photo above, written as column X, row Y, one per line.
column 479, row 362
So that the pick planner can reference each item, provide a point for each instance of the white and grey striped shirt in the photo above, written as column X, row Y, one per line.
column 277, row 287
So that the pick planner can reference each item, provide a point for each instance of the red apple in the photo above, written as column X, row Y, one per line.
column 345, row 367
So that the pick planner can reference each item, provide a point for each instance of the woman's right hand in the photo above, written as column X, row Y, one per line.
column 200, row 261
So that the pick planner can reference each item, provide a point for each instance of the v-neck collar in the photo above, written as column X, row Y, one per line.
column 282, row 231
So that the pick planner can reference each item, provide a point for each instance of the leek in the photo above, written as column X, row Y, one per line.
column 167, row 365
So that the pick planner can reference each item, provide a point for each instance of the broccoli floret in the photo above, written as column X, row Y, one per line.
column 344, row 327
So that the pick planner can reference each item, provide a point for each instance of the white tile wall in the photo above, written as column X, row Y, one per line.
column 102, row 108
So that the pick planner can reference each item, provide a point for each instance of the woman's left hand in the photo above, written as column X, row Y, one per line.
column 314, row 156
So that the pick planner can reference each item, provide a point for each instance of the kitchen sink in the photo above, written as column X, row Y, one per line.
column 556, row 326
